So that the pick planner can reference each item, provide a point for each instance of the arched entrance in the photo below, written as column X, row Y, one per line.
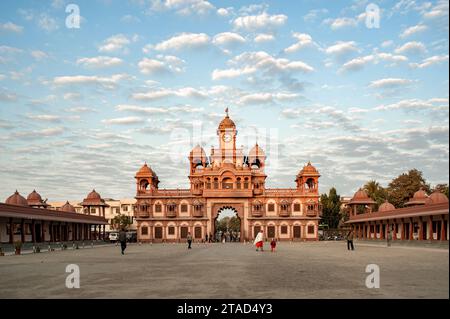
column 227, row 223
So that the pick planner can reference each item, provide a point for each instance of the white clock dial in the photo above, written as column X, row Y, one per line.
column 227, row 137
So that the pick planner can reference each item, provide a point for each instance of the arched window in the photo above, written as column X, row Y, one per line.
column 238, row 183
column 216, row 183
column 227, row 183
column 246, row 183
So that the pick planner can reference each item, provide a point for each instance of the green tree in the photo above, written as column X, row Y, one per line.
column 120, row 221
column 331, row 208
column 234, row 224
column 222, row 224
column 376, row 192
column 443, row 188
column 403, row 187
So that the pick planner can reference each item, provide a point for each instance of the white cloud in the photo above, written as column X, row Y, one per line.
column 260, row 21
column 39, row 55
column 263, row 37
column 304, row 41
column 223, row 12
column 164, row 64
column 251, row 62
column 47, row 23
column 342, row 48
column 182, row 41
column 387, row 43
column 72, row 96
column 183, row 7
column 124, row 120
column 440, row 10
column 389, row 83
column 11, row 27
column 436, row 59
column 360, row 62
column 106, row 82
column 340, row 23
column 186, row 92
column 157, row 110
column 415, row 104
column 114, row 43
column 47, row 132
column 99, row 62
column 260, row 98
column 228, row 39
column 44, row 117
column 413, row 30
column 412, row 47
column 312, row 15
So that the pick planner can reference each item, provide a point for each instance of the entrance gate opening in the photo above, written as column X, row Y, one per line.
column 227, row 226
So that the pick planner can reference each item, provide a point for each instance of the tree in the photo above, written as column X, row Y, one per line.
column 120, row 221
column 331, row 208
column 234, row 224
column 222, row 224
column 443, row 188
column 375, row 191
column 403, row 187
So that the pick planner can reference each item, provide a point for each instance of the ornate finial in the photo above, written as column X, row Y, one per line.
column 226, row 111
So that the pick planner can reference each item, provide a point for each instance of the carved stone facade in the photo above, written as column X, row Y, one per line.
column 227, row 179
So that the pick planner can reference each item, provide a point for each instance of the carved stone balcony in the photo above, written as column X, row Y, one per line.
column 285, row 213
column 312, row 213
column 143, row 214
column 171, row 214
column 257, row 213
column 258, row 191
column 197, row 213
column 197, row 192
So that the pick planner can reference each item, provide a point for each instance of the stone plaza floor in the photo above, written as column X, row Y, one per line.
column 231, row 270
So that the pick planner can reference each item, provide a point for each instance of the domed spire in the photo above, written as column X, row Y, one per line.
column 16, row 199
column 226, row 123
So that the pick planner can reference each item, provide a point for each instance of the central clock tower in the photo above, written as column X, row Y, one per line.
column 227, row 136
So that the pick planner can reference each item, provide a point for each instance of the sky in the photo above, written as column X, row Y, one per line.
column 358, row 88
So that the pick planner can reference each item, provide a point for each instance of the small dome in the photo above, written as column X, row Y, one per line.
column 361, row 197
column 437, row 198
column 94, row 195
column 34, row 196
column 419, row 198
column 386, row 206
column 226, row 123
column 16, row 199
column 198, row 153
column 68, row 208
column 308, row 169
column 257, row 152
column 145, row 171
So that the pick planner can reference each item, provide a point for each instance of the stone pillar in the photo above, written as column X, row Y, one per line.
column 381, row 230
column 42, row 231
column 430, row 228
column 394, row 231
column 411, row 229
column 420, row 228
column 22, row 233
column 443, row 234
column 33, row 231
column 402, row 232
column 11, row 231
column 104, row 230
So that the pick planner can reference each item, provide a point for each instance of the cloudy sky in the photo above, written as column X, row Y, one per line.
column 84, row 108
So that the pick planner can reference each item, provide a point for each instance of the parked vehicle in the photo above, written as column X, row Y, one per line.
column 113, row 237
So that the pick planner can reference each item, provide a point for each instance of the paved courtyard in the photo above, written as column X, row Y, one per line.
column 232, row 270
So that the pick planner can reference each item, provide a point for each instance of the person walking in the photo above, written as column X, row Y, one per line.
column 189, row 240
column 210, row 237
column 259, row 241
column 389, row 237
column 273, row 244
column 123, row 240
column 350, row 240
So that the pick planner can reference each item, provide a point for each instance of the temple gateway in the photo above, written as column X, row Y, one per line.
column 228, row 180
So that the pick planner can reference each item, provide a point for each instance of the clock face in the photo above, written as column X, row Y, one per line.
column 226, row 137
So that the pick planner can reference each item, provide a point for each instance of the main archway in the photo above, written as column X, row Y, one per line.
column 228, row 223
